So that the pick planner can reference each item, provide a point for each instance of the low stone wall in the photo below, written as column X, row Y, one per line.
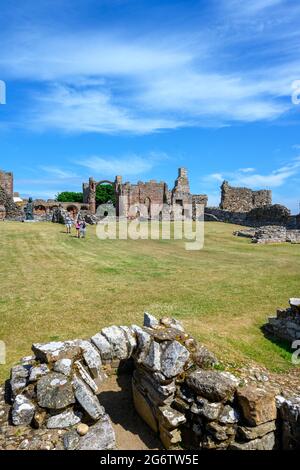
column 257, row 217
column 175, row 387
column 286, row 324
column 270, row 234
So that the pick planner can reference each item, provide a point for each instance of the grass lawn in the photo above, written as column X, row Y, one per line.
column 55, row 287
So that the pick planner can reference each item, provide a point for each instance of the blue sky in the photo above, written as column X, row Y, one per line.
column 141, row 87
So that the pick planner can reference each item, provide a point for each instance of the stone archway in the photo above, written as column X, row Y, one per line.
column 92, row 192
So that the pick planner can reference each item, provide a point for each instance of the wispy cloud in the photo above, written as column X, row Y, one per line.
column 129, row 165
column 274, row 179
column 58, row 172
column 202, row 74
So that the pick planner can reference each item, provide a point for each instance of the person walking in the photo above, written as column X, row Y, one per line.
column 83, row 229
column 77, row 226
column 68, row 223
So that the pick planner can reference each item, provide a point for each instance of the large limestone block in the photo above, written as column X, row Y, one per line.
column 18, row 379
column 52, row 352
column 258, row 405
column 211, row 385
column 105, row 348
column 63, row 420
column 173, row 359
column 117, row 338
column 54, row 391
column 152, row 360
column 22, row 411
column 87, row 399
column 92, row 358
column 143, row 408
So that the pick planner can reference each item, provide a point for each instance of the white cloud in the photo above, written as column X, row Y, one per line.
column 108, row 82
column 274, row 179
column 130, row 165
column 58, row 172
column 89, row 110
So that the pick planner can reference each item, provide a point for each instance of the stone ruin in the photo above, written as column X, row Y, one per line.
column 270, row 234
column 243, row 199
column 286, row 324
column 149, row 200
column 176, row 389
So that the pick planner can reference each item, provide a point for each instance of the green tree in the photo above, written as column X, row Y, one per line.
column 69, row 196
column 105, row 193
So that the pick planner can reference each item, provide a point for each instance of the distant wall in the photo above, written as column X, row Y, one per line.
column 243, row 199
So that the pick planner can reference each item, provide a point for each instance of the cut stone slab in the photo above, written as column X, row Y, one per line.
column 71, row 440
column 86, row 377
column 64, row 420
column 131, row 339
column 105, row 348
column 265, row 443
column 150, row 321
column 38, row 372
column 144, row 408
column 170, row 418
column 211, row 385
column 22, row 411
column 100, row 436
column 19, row 378
column 54, row 391
column 117, row 338
column 143, row 342
column 64, row 366
column 87, row 399
column 92, row 358
column 250, row 433
column 152, row 360
column 258, row 405
column 174, row 358
column 52, row 352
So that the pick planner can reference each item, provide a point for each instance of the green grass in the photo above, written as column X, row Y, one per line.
column 53, row 286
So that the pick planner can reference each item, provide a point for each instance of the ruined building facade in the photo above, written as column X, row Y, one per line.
column 243, row 199
column 150, row 199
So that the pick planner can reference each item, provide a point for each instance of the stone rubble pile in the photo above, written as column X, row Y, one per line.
column 176, row 389
column 270, row 234
column 57, row 389
column 286, row 324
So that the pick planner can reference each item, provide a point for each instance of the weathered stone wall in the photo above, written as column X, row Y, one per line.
column 175, row 388
column 243, row 199
column 8, row 207
column 286, row 324
column 7, row 182
column 260, row 216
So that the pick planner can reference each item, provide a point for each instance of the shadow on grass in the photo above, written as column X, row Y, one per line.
column 281, row 343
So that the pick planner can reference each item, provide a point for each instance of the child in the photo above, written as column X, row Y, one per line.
column 83, row 229
column 77, row 226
